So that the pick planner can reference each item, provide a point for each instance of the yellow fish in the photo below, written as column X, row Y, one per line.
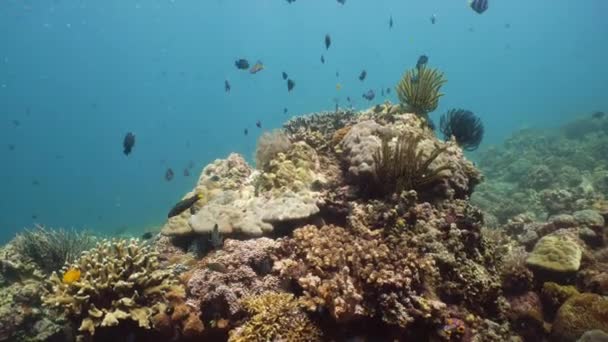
column 71, row 275
column 338, row 86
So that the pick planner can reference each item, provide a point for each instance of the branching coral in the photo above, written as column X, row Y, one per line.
column 275, row 317
column 118, row 280
column 50, row 249
column 419, row 89
column 464, row 126
column 405, row 167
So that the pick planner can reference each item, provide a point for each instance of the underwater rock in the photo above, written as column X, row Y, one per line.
column 594, row 336
column 589, row 218
column 580, row 313
column 556, row 253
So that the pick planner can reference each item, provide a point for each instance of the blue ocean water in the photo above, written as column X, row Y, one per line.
column 76, row 76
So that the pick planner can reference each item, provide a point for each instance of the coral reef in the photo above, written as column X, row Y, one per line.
column 119, row 280
column 320, row 130
column 275, row 317
column 579, row 314
column 220, row 280
column 556, row 253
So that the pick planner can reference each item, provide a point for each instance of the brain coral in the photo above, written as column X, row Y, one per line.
column 119, row 280
column 556, row 253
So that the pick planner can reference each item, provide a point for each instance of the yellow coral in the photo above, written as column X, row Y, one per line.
column 115, row 281
column 275, row 317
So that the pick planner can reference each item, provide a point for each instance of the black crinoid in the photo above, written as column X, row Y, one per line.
column 466, row 128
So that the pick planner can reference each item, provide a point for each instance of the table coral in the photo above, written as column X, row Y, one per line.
column 120, row 280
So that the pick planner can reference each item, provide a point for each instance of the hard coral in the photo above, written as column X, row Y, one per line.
column 318, row 129
column 578, row 314
column 121, row 279
column 556, row 253
column 275, row 317
column 357, row 275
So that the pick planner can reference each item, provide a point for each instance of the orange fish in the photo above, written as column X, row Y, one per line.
column 257, row 67
column 71, row 275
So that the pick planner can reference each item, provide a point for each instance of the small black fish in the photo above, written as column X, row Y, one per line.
column 388, row 90
column 422, row 60
column 147, row 236
column 285, row 110
column 348, row 99
column 258, row 124
column 341, row 2
column 128, row 143
column 227, row 86
column 433, row 19
column 169, row 174
column 337, row 74
column 16, row 123
column 369, row 95
column 290, row 84
column 246, row 131
column 382, row 92
column 284, row 75
column 479, row 6
column 34, row 216
column 598, row 115
column 362, row 75
column 11, row 147
column 390, row 22
column 322, row 59
column 327, row 41
column 241, row 64
column 290, row 1
column 186, row 172
column 183, row 205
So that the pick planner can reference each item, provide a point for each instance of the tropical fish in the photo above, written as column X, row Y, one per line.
column 433, row 19
column 258, row 124
column 369, row 95
column 184, row 205
column 290, row 84
column 128, row 143
column 216, row 238
column 147, row 236
column 285, row 110
column 390, row 22
column 257, row 67
column 479, row 6
column 11, row 147
column 290, row 1
column 16, row 123
column 388, row 90
column 322, row 59
column 284, row 75
column 71, row 275
column 169, row 174
column 598, row 115
column 245, row 131
column 227, row 86
column 422, row 60
column 362, row 75
column 382, row 91
column 217, row 267
column 241, row 64
column 341, row 2
column 327, row 41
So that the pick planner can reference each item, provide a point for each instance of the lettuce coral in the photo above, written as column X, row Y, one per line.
column 120, row 280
